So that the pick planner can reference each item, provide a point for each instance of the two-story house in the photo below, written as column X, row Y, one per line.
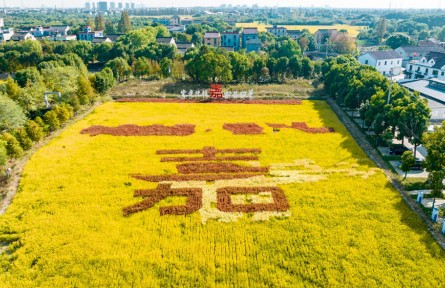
column 277, row 31
column 88, row 35
column 410, row 53
column 231, row 39
column 212, row 39
column 430, row 66
column 386, row 62
column 250, row 39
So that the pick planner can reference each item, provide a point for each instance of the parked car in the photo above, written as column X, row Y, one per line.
column 417, row 165
column 397, row 150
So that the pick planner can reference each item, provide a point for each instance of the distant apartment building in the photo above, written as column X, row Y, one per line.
column 277, row 31
column 87, row 5
column 386, row 62
column 88, row 35
column 133, row 6
column 102, row 6
column 112, row 5
column 410, row 53
column 430, row 66
column 250, row 39
column 127, row 6
column 231, row 39
column 212, row 39
column 120, row 5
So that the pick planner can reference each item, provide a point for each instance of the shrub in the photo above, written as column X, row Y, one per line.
column 3, row 153
column 13, row 148
column 51, row 120
column 34, row 130
column 63, row 112
column 23, row 138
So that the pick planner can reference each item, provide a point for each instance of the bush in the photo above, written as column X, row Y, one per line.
column 34, row 130
column 3, row 153
column 13, row 148
column 23, row 138
column 41, row 123
column 63, row 112
column 51, row 120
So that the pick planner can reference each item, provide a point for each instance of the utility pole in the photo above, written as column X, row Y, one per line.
column 390, row 84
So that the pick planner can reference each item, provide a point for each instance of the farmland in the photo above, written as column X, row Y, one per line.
column 298, row 204
column 352, row 30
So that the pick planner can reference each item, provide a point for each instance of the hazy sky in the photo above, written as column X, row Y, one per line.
column 404, row 4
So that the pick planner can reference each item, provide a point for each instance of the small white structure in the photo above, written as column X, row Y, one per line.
column 386, row 62
column 6, row 34
column 2, row 23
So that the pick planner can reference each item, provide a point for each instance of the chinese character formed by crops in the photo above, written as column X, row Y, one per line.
column 202, row 167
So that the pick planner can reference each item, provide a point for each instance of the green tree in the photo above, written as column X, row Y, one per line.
column 23, row 138
column 11, row 115
column 307, row 68
column 119, row 66
column 166, row 67
column 28, row 77
column 441, row 34
column 34, row 130
column 408, row 160
column 51, row 120
column 85, row 92
column 398, row 39
column 13, row 148
column 124, row 25
column 381, row 29
column 99, row 22
column 104, row 80
column 109, row 27
column 240, row 66
column 141, row 67
column 3, row 153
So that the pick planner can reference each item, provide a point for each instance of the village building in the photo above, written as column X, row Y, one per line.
column 389, row 63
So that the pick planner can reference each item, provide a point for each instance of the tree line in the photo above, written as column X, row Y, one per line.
column 386, row 108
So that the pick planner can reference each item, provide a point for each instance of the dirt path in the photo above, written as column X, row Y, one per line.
column 17, row 165
column 372, row 153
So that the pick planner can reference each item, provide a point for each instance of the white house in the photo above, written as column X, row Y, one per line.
column 6, row 34
column 22, row 36
column 410, row 53
column 1, row 23
column 386, row 62
column 430, row 66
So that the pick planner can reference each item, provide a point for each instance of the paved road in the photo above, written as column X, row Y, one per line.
column 375, row 156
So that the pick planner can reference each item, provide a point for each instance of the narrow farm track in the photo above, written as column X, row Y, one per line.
column 18, row 165
column 377, row 159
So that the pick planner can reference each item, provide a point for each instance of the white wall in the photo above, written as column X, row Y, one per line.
column 383, row 66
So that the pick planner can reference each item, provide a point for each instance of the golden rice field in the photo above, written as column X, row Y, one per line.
column 344, row 226
column 352, row 30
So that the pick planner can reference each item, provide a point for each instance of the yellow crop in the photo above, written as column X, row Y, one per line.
column 345, row 227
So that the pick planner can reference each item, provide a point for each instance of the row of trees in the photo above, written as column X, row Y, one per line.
column 390, row 110
column 24, row 117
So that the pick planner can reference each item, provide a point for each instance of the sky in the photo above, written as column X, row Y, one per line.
column 399, row 4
